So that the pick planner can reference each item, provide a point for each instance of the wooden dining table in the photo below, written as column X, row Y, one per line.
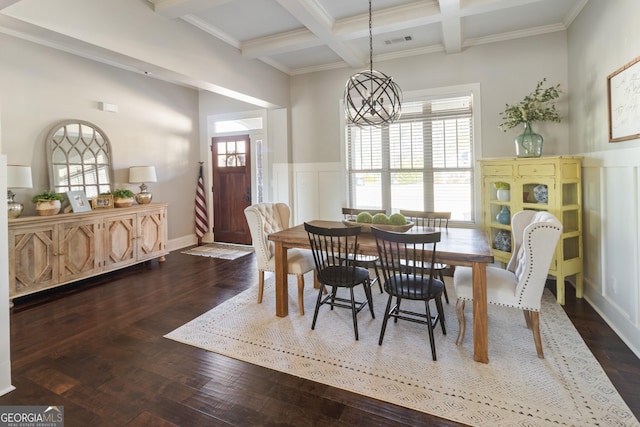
column 458, row 246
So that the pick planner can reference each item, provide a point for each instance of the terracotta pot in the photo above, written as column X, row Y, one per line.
column 122, row 202
column 48, row 207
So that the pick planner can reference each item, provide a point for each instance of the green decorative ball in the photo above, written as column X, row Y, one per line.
column 397, row 219
column 380, row 218
column 364, row 217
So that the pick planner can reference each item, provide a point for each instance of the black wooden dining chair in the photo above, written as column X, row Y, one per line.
column 334, row 251
column 366, row 261
column 439, row 221
column 402, row 256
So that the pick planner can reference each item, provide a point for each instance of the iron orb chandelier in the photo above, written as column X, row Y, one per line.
column 371, row 98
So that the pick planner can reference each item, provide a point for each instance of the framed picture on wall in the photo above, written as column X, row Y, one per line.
column 623, row 99
column 78, row 201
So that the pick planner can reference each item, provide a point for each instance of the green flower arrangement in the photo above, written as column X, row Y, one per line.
column 47, row 195
column 122, row 193
column 538, row 106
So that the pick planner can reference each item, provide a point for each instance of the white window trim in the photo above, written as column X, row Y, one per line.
column 434, row 93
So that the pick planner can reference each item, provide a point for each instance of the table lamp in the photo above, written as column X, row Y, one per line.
column 140, row 175
column 17, row 177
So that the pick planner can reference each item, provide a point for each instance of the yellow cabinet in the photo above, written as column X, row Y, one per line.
column 550, row 184
column 49, row 251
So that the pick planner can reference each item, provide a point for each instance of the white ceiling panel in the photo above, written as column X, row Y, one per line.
column 396, row 41
column 249, row 19
column 526, row 17
column 301, row 36
column 340, row 9
column 312, row 57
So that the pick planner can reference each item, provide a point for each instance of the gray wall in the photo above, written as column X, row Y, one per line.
column 157, row 122
column 506, row 71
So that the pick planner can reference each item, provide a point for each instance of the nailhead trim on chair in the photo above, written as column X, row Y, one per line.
column 519, row 273
column 525, row 283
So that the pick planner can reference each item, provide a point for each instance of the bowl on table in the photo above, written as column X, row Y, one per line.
column 366, row 227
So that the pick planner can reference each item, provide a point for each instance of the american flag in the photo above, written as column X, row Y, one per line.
column 202, row 221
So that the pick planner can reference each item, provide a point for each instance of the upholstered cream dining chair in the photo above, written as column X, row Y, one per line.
column 267, row 218
column 521, row 285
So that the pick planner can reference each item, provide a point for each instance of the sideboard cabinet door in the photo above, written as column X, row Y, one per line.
column 120, row 240
column 33, row 258
column 152, row 231
column 79, row 249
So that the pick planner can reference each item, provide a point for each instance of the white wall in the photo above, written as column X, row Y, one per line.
column 5, row 332
column 602, row 39
column 157, row 122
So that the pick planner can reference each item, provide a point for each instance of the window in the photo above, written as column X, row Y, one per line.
column 423, row 161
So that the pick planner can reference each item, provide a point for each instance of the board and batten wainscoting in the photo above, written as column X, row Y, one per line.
column 611, row 227
column 317, row 190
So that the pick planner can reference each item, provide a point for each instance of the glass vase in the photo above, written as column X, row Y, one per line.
column 504, row 216
column 528, row 143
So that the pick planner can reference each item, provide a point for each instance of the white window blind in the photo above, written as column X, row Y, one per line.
column 423, row 161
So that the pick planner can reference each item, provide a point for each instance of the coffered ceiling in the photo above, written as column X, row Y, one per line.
column 301, row 36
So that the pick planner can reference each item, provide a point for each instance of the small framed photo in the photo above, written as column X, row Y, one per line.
column 78, row 201
column 102, row 202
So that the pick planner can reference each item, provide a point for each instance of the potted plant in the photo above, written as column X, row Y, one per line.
column 47, row 202
column 503, row 191
column 538, row 106
column 122, row 197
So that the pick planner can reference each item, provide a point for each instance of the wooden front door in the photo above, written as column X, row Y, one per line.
column 231, row 188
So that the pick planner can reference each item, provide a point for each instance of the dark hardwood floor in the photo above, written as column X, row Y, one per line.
column 97, row 348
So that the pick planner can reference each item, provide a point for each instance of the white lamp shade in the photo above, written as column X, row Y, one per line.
column 142, row 174
column 19, row 176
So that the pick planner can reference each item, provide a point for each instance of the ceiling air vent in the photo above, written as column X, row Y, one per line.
column 399, row 40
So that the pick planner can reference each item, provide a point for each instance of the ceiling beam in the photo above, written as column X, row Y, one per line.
column 451, row 26
column 476, row 7
column 336, row 33
column 178, row 8
column 280, row 43
column 388, row 20
column 313, row 16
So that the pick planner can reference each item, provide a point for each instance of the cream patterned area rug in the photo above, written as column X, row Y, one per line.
column 220, row 250
column 516, row 388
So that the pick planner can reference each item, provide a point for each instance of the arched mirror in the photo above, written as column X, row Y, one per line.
column 79, row 156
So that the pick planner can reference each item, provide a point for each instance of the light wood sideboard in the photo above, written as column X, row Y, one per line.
column 562, row 177
column 50, row 251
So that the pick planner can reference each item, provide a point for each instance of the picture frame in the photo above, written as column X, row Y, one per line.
column 78, row 201
column 623, row 102
column 102, row 202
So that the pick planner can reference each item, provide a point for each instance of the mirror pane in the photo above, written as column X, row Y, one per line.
column 75, row 175
column 90, row 174
column 59, row 156
column 74, row 156
column 102, row 158
column 89, row 158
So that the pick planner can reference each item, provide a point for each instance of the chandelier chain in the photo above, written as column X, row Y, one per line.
column 370, row 40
